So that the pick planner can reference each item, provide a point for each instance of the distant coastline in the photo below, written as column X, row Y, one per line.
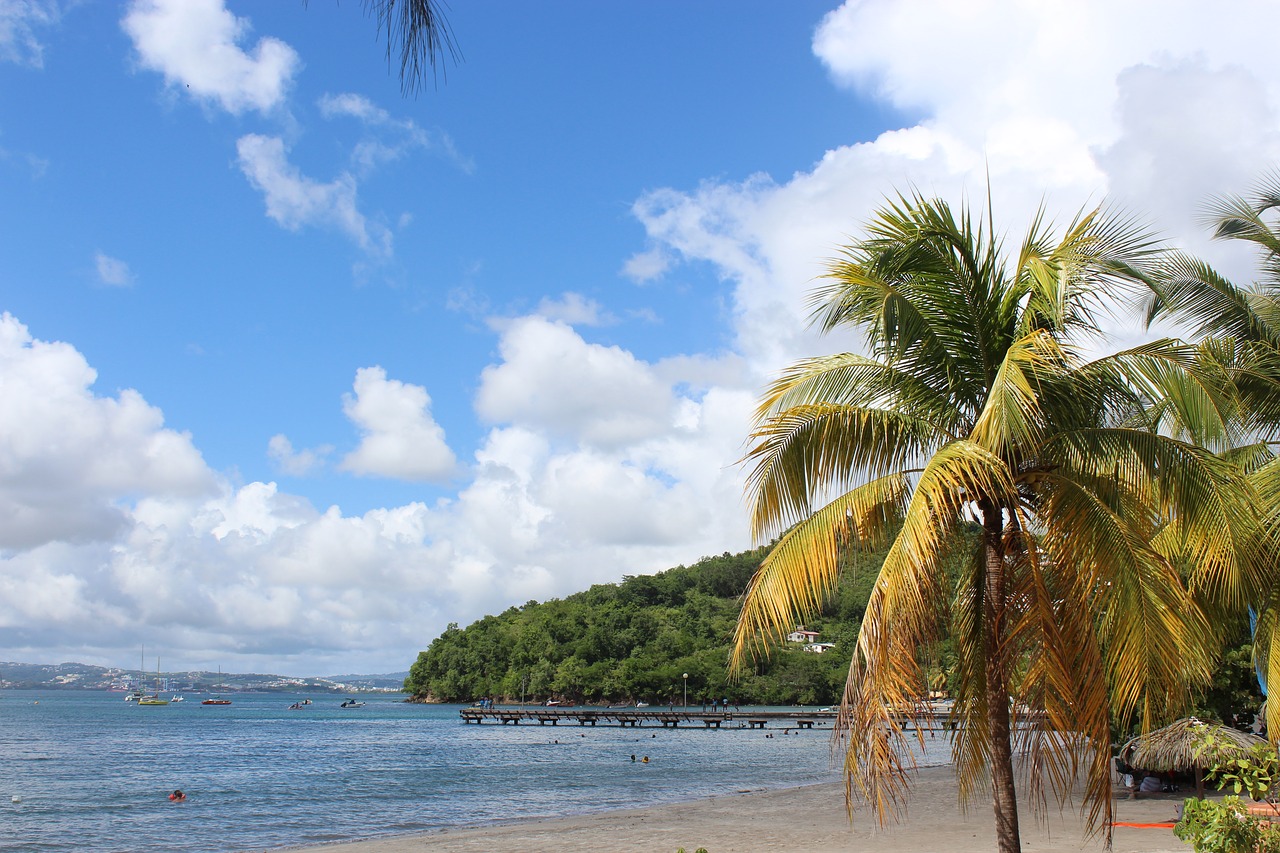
column 81, row 676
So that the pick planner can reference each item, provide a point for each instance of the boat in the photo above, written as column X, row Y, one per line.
column 642, row 704
column 217, row 699
column 154, row 698
column 177, row 698
column 352, row 703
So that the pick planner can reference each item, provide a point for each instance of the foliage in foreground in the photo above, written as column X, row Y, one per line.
column 1228, row 825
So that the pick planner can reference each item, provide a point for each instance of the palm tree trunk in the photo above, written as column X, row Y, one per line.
column 1003, row 795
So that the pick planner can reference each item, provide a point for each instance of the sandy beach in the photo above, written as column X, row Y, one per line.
column 811, row 819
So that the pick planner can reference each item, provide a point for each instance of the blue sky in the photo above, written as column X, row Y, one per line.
column 298, row 370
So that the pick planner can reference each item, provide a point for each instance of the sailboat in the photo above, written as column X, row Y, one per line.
column 137, row 693
column 217, row 700
column 154, row 698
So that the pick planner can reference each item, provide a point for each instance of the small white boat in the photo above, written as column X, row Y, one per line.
column 642, row 704
column 176, row 698
column 352, row 703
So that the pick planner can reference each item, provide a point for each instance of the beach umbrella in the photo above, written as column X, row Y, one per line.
column 1175, row 746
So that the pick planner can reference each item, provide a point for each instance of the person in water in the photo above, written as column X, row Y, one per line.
column 177, row 796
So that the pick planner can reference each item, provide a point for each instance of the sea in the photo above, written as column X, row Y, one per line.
column 88, row 771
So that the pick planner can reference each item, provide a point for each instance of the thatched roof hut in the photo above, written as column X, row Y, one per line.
column 1174, row 748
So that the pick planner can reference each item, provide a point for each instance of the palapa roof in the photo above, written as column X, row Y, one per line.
column 1174, row 746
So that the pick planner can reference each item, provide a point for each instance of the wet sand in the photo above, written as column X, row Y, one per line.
column 809, row 819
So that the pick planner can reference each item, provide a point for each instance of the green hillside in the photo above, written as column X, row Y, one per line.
column 633, row 641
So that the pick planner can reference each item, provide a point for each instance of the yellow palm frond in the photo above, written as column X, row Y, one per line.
column 903, row 613
column 1011, row 417
column 801, row 571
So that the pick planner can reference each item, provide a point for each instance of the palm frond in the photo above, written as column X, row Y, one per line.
column 802, row 570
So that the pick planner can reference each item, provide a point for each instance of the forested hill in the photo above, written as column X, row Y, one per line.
column 634, row 640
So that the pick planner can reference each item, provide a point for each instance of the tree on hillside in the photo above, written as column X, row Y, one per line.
column 976, row 404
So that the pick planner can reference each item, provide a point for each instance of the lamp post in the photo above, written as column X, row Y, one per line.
column 686, row 690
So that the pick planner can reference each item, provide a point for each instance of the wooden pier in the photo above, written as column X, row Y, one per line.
column 636, row 717
column 937, row 718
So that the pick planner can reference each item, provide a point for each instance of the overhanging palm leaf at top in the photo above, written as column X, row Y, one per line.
column 974, row 406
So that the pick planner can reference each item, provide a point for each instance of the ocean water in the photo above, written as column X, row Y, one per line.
column 91, row 772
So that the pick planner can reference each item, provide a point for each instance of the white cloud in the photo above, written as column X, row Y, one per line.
column 19, row 21
column 574, row 309
column 395, row 137
column 294, row 200
column 68, row 457
column 1156, row 106
column 112, row 271
column 196, row 45
column 646, row 266
column 399, row 438
column 553, row 380
column 296, row 463
column 110, row 524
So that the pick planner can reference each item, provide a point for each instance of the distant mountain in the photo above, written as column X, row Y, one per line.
column 83, row 676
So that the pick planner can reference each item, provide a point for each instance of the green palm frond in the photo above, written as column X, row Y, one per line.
column 1189, row 289
column 812, row 452
column 853, row 380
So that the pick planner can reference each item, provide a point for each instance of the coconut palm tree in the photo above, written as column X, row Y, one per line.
column 975, row 405
column 1239, row 331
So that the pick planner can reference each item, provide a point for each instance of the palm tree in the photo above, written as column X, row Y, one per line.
column 975, row 407
column 1239, row 327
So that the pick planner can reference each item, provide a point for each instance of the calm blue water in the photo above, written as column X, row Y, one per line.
column 93, row 772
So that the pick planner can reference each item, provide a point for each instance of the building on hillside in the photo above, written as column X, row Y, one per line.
column 800, row 635
column 819, row 648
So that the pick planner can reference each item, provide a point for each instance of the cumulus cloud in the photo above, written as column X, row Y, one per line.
column 111, row 524
column 552, row 379
column 399, row 438
column 68, row 456
column 112, row 271
column 1152, row 107
column 294, row 200
column 196, row 45
column 19, row 22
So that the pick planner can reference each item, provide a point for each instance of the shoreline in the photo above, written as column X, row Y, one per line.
column 811, row 818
